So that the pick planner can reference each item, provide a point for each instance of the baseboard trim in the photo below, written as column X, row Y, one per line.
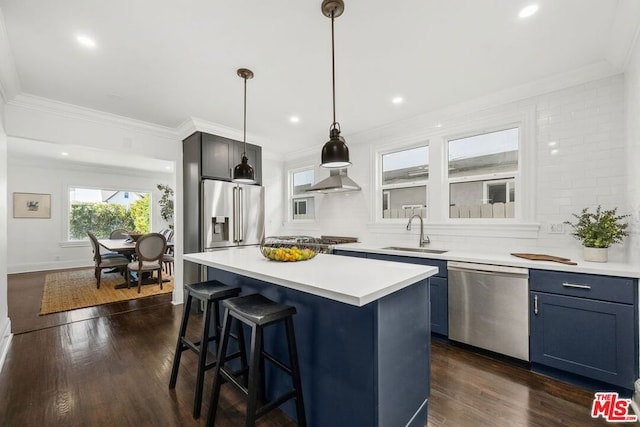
column 5, row 341
column 177, row 297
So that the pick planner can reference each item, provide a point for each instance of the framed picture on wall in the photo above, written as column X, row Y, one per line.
column 31, row 205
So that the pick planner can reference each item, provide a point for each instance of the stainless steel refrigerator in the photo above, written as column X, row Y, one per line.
column 229, row 215
column 232, row 214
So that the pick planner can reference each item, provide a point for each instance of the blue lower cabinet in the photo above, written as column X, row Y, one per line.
column 350, row 253
column 439, row 305
column 438, row 285
column 592, row 338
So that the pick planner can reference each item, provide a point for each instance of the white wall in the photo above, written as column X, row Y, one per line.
column 5, row 322
column 272, row 181
column 632, row 93
column 41, row 244
column 586, row 122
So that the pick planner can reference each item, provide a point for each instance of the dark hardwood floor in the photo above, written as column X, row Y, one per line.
column 470, row 389
column 25, row 294
column 110, row 365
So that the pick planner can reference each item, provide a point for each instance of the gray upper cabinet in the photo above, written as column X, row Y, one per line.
column 220, row 155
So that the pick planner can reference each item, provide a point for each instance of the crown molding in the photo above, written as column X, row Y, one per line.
column 195, row 124
column 49, row 106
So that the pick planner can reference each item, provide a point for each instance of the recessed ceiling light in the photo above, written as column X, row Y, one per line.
column 527, row 11
column 397, row 100
column 438, row 125
column 86, row 41
column 294, row 119
column 554, row 151
column 552, row 144
column 64, row 153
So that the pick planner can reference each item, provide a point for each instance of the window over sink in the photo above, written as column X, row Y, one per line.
column 482, row 171
column 403, row 177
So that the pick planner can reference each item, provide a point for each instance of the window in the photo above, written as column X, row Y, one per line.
column 404, row 180
column 299, row 207
column 101, row 211
column 302, row 204
column 483, row 171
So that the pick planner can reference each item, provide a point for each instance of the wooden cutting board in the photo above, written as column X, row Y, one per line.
column 543, row 257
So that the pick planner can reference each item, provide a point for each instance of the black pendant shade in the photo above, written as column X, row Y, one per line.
column 335, row 153
column 243, row 172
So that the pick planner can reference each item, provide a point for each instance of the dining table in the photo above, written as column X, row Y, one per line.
column 127, row 247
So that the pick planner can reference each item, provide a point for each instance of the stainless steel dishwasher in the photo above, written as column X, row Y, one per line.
column 489, row 307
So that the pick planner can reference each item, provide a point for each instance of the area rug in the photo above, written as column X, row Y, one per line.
column 68, row 290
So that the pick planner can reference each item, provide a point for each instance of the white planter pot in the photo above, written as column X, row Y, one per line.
column 596, row 254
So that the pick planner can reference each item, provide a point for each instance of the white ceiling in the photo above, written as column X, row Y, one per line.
column 164, row 61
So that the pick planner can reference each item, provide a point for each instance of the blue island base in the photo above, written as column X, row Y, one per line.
column 360, row 366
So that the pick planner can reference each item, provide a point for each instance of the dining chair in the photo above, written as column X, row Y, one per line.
column 119, row 233
column 150, row 249
column 102, row 262
column 167, row 259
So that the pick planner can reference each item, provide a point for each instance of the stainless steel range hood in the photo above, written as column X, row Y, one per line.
column 337, row 182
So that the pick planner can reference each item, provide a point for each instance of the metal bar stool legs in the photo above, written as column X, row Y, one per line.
column 211, row 292
column 258, row 312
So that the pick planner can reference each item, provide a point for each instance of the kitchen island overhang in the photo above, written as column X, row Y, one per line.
column 363, row 329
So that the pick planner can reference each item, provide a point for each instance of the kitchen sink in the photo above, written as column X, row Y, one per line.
column 423, row 250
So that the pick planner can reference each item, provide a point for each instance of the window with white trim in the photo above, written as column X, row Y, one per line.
column 403, row 182
column 483, row 171
column 302, row 204
column 101, row 211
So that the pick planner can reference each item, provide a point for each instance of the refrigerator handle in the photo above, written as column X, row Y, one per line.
column 240, row 216
column 235, row 214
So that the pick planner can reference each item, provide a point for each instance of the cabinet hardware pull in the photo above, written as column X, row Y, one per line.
column 571, row 285
column 535, row 304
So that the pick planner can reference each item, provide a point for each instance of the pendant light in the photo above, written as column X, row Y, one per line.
column 335, row 153
column 243, row 172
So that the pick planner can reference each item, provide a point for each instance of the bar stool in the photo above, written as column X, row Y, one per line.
column 211, row 293
column 258, row 312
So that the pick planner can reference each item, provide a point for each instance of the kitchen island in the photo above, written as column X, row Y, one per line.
column 363, row 331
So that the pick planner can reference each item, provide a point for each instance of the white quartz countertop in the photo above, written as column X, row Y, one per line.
column 355, row 281
column 499, row 258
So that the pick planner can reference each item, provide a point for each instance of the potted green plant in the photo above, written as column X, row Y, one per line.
column 166, row 204
column 598, row 231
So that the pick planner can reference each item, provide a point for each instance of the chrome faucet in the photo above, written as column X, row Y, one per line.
column 423, row 241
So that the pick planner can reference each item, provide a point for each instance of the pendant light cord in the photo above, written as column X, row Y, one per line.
column 244, row 137
column 333, row 70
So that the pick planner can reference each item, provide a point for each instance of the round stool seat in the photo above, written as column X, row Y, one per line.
column 258, row 309
column 211, row 290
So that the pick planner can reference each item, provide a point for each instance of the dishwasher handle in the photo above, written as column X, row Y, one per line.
column 487, row 268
